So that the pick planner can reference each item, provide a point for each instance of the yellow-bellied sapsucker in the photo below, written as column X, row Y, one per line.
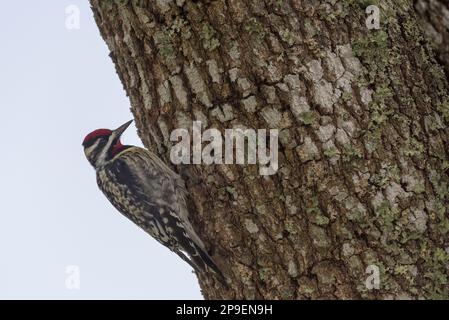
column 145, row 190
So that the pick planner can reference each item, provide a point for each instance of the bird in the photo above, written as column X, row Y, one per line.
column 148, row 192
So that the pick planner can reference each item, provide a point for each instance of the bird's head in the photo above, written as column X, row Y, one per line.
column 102, row 145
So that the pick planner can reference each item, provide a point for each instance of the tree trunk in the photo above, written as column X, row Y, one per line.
column 434, row 19
column 363, row 139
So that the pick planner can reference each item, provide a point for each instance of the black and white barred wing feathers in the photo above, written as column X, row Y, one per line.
column 155, row 198
column 160, row 184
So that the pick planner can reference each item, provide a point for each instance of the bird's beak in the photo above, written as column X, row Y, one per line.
column 119, row 131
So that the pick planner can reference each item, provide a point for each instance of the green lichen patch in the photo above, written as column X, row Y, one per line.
column 166, row 39
column 314, row 212
column 164, row 42
column 387, row 215
column 434, row 262
column 351, row 153
column 287, row 36
column 331, row 152
column 307, row 118
column 209, row 37
column 414, row 148
column 255, row 28
column 373, row 49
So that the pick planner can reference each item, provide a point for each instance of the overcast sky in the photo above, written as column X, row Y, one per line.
column 57, row 85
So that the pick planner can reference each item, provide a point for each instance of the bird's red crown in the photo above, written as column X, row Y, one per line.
column 97, row 133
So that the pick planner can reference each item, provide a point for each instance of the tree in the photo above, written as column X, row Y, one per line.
column 363, row 117
column 434, row 19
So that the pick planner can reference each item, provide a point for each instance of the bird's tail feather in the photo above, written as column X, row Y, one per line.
column 205, row 263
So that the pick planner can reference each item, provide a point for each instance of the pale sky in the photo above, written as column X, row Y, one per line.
column 57, row 85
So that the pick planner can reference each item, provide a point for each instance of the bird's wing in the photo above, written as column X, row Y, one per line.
column 159, row 184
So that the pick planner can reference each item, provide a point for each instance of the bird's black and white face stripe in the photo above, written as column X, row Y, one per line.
column 101, row 145
column 98, row 147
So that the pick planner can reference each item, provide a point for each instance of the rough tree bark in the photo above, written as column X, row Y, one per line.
column 362, row 116
column 434, row 19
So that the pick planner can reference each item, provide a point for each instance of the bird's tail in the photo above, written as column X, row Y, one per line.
column 204, row 262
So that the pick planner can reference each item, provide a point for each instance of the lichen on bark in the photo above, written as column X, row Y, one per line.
column 363, row 159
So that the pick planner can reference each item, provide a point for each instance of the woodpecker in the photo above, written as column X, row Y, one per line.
column 146, row 191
